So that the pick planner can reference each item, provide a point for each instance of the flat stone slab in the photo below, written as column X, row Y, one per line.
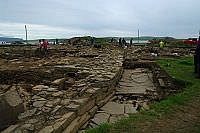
column 131, row 83
column 73, row 107
column 135, row 82
column 132, row 90
column 113, row 108
column 130, row 109
column 101, row 118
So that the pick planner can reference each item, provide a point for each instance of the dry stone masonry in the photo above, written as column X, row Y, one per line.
column 76, row 88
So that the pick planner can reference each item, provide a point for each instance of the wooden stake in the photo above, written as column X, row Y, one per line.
column 26, row 34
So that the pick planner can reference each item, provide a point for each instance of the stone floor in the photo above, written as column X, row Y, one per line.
column 129, row 97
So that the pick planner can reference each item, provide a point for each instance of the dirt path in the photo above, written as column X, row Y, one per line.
column 185, row 119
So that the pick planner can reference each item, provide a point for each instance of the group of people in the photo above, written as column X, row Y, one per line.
column 43, row 45
column 123, row 43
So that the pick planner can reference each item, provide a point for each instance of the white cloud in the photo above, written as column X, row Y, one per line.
column 37, row 31
column 65, row 18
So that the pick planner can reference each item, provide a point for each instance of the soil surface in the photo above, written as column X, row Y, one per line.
column 184, row 120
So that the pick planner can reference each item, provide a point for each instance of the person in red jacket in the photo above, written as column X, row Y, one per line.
column 45, row 46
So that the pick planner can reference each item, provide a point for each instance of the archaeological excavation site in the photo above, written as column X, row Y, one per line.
column 75, row 88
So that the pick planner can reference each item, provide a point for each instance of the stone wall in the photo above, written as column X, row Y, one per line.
column 63, row 92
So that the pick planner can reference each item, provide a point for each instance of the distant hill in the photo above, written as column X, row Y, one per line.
column 10, row 39
column 143, row 38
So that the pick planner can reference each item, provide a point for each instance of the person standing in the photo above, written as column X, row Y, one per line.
column 111, row 40
column 39, row 44
column 91, row 41
column 161, row 44
column 120, row 42
column 131, row 41
column 123, row 42
column 45, row 46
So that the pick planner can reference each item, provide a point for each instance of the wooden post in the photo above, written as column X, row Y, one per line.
column 138, row 36
column 26, row 34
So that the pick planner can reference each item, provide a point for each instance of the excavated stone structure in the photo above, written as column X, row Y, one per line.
column 64, row 91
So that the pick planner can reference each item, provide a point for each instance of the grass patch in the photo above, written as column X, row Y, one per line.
column 103, row 128
column 182, row 70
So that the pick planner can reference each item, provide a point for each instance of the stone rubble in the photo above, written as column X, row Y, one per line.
column 61, row 103
column 63, row 92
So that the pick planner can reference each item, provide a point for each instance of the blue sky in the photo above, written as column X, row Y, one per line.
column 69, row 18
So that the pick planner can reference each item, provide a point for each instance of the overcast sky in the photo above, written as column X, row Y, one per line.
column 99, row 18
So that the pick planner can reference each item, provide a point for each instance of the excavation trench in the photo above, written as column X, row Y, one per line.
column 140, row 84
column 82, row 99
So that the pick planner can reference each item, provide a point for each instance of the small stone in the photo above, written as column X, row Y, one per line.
column 46, row 109
column 110, row 76
column 58, row 94
column 56, row 109
column 73, row 107
column 59, row 81
column 69, row 82
column 39, row 88
column 52, row 89
column 80, row 85
column 44, row 94
column 35, row 97
column 41, row 99
column 39, row 104
column 90, row 91
column 31, row 121
column 57, row 116
column 49, row 105
column 65, row 102
column 161, row 82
